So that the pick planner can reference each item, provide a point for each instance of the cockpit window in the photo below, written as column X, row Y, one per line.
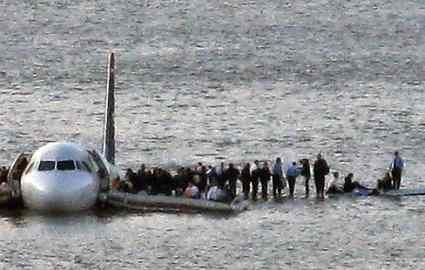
column 66, row 165
column 46, row 165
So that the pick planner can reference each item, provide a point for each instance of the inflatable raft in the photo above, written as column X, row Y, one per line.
column 161, row 202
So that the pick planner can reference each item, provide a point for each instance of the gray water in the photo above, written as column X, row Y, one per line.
column 221, row 80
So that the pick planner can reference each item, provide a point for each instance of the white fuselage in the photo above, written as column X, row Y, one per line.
column 60, row 177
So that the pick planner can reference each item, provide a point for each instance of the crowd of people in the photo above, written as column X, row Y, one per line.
column 219, row 183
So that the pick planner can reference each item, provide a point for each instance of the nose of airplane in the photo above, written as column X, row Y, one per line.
column 59, row 191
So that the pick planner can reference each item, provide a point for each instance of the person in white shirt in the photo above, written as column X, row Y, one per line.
column 192, row 191
column 216, row 194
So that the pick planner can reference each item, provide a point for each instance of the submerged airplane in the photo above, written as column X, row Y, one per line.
column 64, row 176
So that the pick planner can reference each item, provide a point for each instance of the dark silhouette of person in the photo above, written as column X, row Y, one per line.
column 246, row 180
column 396, row 167
column 277, row 178
column 306, row 173
column 255, row 178
column 141, row 182
column 180, row 181
column 221, row 178
column 3, row 174
column 203, row 179
column 265, row 175
column 320, row 170
column 350, row 185
column 130, row 176
column 231, row 175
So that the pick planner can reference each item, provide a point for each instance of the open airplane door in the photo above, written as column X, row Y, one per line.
column 102, row 170
column 14, row 176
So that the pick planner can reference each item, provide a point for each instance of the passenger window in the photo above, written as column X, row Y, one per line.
column 46, row 165
column 66, row 165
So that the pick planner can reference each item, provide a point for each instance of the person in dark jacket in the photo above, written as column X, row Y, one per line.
column 320, row 170
column 255, row 177
column 277, row 178
column 141, row 182
column 265, row 175
column 131, row 177
column 306, row 173
column 203, row 178
column 221, row 178
column 231, row 175
column 180, row 182
column 3, row 174
column 350, row 185
column 246, row 180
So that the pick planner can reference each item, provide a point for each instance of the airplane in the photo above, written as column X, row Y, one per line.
column 64, row 176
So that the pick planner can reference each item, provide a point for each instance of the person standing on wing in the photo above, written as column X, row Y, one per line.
column 278, row 178
column 246, row 180
column 320, row 170
column 396, row 167
column 292, row 174
column 306, row 173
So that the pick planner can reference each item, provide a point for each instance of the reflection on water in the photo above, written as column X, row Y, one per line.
column 304, row 233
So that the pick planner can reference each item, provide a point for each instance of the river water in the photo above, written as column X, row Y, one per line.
column 216, row 81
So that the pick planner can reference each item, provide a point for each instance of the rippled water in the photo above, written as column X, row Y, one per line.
column 221, row 80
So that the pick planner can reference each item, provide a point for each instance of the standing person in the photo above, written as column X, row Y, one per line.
column 292, row 174
column 141, row 178
column 265, row 175
column 131, row 177
column 231, row 175
column 246, row 180
column 255, row 176
column 203, row 179
column 396, row 167
column 277, row 178
column 220, row 175
column 3, row 174
column 306, row 173
column 320, row 170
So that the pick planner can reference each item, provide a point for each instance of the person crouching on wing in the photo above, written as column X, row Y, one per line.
column 333, row 185
column 215, row 193
column 385, row 183
column 192, row 191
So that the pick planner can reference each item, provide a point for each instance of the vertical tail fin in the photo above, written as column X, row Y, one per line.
column 109, row 128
